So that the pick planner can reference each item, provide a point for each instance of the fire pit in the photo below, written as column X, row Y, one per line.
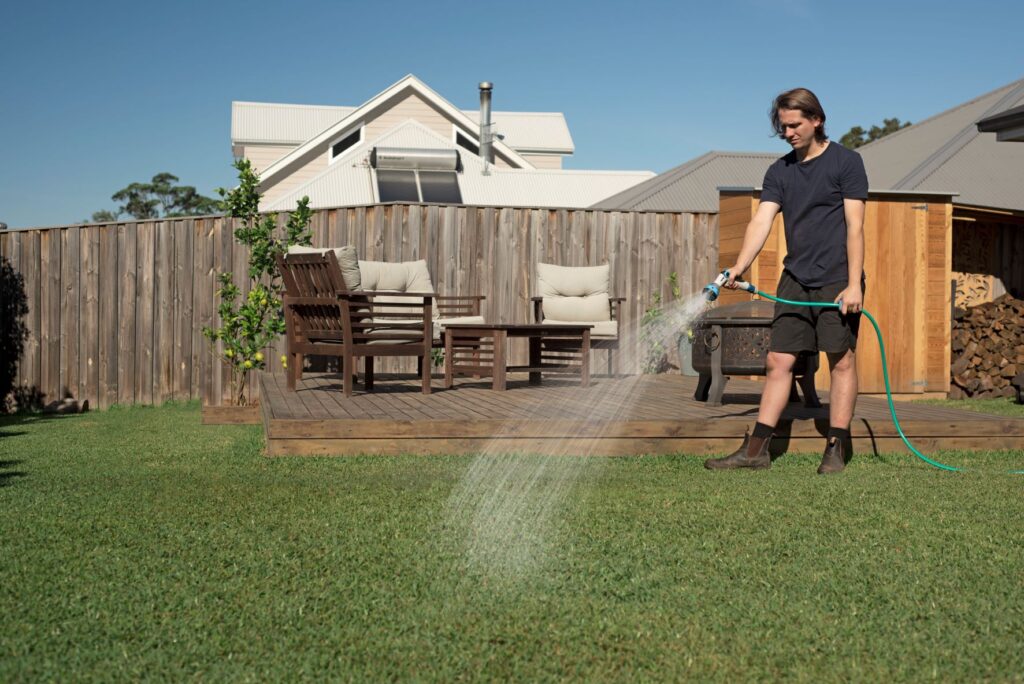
column 733, row 340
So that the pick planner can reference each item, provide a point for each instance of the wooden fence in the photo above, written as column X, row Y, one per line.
column 116, row 311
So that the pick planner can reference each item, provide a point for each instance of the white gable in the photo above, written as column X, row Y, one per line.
column 318, row 144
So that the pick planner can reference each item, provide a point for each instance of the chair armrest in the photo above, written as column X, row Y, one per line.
column 450, row 306
column 538, row 309
column 614, row 303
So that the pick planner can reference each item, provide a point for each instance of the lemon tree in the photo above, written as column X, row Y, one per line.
column 250, row 322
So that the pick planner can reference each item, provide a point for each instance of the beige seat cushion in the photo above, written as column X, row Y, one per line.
column 348, row 260
column 574, row 294
column 601, row 330
column 441, row 322
column 387, row 341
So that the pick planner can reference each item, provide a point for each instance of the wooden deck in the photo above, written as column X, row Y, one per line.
column 614, row 416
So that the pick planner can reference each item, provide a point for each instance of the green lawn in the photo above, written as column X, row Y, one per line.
column 999, row 407
column 137, row 544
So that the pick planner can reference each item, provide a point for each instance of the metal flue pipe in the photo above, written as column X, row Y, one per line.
column 486, row 146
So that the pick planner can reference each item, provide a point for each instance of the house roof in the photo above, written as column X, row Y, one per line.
column 410, row 84
column 281, row 124
column 693, row 186
column 271, row 123
column 545, row 132
column 1007, row 125
column 946, row 152
column 349, row 180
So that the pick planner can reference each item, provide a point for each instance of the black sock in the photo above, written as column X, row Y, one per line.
column 838, row 433
column 762, row 431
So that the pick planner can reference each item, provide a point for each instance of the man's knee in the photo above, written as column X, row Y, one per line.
column 779, row 362
column 842, row 362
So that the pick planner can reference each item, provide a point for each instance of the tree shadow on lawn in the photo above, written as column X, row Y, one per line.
column 9, row 421
column 6, row 476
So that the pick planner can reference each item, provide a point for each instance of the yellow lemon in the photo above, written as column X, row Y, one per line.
column 259, row 356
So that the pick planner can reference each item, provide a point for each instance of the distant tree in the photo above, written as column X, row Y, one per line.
column 103, row 216
column 158, row 198
column 857, row 136
column 137, row 200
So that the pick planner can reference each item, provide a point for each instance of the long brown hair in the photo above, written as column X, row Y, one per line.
column 806, row 103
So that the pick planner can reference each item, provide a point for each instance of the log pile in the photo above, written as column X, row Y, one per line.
column 988, row 349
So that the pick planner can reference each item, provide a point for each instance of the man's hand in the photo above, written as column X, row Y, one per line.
column 735, row 271
column 851, row 299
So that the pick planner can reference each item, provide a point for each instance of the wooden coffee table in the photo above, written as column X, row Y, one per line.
column 480, row 350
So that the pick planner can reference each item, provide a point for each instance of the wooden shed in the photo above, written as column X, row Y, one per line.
column 909, row 287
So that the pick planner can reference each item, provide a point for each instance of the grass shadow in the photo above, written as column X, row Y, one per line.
column 7, row 476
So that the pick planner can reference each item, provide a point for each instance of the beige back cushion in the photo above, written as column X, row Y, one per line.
column 347, row 259
column 574, row 293
column 404, row 276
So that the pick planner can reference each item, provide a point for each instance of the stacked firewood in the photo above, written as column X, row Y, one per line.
column 988, row 349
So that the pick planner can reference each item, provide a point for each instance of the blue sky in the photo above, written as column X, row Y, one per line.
column 96, row 95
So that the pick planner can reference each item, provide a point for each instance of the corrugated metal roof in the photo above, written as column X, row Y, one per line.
column 693, row 186
column 266, row 122
column 544, row 187
column 530, row 131
column 349, row 180
column 946, row 152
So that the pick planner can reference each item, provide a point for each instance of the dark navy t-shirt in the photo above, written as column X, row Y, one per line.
column 811, row 195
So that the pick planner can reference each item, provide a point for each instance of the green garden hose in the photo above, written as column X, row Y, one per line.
column 711, row 292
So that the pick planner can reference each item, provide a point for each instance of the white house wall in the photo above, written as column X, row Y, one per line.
column 544, row 161
column 263, row 156
column 300, row 176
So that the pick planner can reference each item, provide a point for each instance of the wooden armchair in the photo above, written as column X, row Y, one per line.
column 579, row 294
column 323, row 317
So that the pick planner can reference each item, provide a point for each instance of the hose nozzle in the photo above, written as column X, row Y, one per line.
column 711, row 290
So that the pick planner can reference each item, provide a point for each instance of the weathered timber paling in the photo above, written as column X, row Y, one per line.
column 117, row 310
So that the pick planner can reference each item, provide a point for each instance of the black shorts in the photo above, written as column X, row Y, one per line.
column 810, row 328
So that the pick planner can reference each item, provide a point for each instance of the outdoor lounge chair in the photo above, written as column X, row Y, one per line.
column 579, row 294
column 404, row 276
column 324, row 317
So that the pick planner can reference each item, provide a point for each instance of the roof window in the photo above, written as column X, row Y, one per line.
column 339, row 147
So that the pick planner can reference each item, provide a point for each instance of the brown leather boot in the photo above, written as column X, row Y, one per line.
column 753, row 453
column 834, row 458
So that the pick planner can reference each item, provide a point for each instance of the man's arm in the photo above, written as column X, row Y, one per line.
column 753, row 240
column 853, row 297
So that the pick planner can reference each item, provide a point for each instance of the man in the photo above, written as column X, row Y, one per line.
column 820, row 188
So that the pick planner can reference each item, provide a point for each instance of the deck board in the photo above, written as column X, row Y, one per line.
column 614, row 416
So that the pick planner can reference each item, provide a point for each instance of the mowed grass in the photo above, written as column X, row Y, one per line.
column 1000, row 407
column 136, row 544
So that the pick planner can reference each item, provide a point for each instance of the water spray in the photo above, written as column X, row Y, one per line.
column 711, row 292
